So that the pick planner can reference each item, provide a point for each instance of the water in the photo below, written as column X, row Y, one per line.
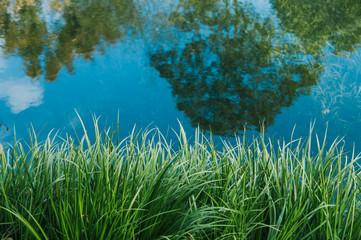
column 221, row 65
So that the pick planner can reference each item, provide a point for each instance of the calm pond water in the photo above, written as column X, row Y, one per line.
column 219, row 64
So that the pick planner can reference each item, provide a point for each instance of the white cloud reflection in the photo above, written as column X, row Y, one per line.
column 20, row 94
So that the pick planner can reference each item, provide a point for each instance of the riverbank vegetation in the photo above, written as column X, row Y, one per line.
column 145, row 187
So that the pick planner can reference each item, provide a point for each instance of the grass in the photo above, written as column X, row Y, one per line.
column 144, row 187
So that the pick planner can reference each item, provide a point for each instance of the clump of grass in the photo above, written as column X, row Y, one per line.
column 143, row 187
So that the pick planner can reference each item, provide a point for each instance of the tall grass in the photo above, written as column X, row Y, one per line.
column 143, row 187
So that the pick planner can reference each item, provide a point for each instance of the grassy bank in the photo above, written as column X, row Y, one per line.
column 143, row 187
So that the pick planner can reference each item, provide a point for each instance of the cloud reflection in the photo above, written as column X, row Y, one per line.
column 20, row 94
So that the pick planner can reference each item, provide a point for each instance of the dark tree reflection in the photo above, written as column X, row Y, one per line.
column 84, row 27
column 318, row 22
column 88, row 26
column 236, row 69
column 25, row 36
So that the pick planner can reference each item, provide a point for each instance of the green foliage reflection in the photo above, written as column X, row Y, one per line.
column 25, row 35
column 232, row 66
column 237, row 69
column 318, row 22
column 82, row 28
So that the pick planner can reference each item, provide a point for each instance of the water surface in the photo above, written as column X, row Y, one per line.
column 218, row 64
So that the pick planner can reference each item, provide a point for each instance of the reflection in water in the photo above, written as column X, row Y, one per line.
column 228, row 67
column 239, row 71
column 25, row 35
column 20, row 94
column 338, row 95
column 83, row 28
column 319, row 22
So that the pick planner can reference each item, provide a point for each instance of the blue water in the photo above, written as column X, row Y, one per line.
column 172, row 63
column 114, row 84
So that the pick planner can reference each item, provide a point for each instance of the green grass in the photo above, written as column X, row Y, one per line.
column 143, row 187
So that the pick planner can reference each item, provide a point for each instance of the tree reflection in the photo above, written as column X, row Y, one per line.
column 318, row 22
column 84, row 27
column 233, row 67
column 25, row 36
column 236, row 69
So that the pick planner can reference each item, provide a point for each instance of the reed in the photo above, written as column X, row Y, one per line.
column 145, row 187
